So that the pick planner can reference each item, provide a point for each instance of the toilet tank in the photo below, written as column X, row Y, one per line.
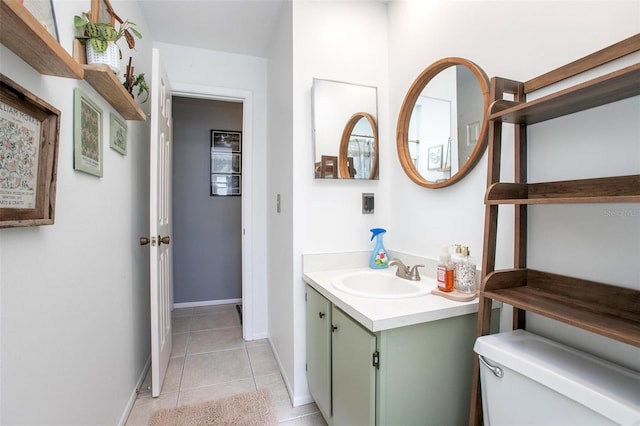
column 547, row 383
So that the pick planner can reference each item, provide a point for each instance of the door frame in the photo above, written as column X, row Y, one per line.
column 246, row 98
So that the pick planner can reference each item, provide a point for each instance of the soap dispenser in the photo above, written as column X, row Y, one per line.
column 379, row 257
column 445, row 271
column 456, row 259
column 466, row 273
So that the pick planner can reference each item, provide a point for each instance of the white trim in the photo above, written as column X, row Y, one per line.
column 134, row 394
column 296, row 401
column 246, row 98
column 206, row 303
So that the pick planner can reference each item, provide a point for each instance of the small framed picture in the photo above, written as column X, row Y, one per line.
column 87, row 135
column 225, row 184
column 473, row 132
column 224, row 140
column 225, row 162
column 118, row 134
column 435, row 157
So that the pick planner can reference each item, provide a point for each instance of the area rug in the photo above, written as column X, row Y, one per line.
column 247, row 409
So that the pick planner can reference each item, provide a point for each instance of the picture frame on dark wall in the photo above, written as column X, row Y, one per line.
column 87, row 135
column 225, row 140
column 226, row 163
column 29, row 135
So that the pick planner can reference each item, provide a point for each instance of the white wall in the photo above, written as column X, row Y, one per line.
column 207, row 73
column 520, row 40
column 280, row 177
column 75, row 304
column 344, row 41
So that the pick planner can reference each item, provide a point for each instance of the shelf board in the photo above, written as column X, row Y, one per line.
column 21, row 33
column 607, row 310
column 619, row 189
column 608, row 88
column 101, row 78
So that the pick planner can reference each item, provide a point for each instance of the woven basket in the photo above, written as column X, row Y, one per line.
column 110, row 57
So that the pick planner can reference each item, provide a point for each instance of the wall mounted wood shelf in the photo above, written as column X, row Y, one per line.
column 101, row 78
column 21, row 33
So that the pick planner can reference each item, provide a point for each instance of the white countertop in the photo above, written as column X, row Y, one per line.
column 384, row 314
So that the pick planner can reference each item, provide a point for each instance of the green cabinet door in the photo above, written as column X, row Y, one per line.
column 319, row 350
column 354, row 376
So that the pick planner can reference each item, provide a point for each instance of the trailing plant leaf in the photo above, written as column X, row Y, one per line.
column 99, row 45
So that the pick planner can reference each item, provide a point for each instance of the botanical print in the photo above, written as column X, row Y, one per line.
column 19, row 152
column 118, row 135
column 90, row 121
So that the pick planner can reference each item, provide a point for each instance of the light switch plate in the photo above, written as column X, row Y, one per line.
column 367, row 203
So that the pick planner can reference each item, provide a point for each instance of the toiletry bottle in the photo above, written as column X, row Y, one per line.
column 467, row 273
column 456, row 259
column 445, row 271
column 379, row 257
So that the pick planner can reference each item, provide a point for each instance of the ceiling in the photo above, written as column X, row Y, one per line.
column 235, row 26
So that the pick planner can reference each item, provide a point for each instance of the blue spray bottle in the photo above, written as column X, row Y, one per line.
column 379, row 257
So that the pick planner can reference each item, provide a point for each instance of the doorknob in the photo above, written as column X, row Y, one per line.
column 164, row 240
column 144, row 241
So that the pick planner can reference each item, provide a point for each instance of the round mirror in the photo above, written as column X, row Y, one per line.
column 358, row 153
column 442, row 126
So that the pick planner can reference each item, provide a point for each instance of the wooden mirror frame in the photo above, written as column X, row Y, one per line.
column 402, row 130
column 344, row 145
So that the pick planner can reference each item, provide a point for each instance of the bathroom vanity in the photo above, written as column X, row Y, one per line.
column 387, row 360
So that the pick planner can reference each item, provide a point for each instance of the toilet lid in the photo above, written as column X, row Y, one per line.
column 605, row 387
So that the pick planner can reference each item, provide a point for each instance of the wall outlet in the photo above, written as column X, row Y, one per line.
column 367, row 203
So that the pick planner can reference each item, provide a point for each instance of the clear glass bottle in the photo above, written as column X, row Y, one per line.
column 456, row 258
column 466, row 273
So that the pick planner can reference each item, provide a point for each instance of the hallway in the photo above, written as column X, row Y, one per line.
column 210, row 360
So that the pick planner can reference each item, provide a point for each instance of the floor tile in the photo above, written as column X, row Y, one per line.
column 215, row 340
column 215, row 367
column 180, row 324
column 215, row 320
column 144, row 408
column 179, row 344
column 222, row 390
column 210, row 360
column 262, row 360
column 280, row 398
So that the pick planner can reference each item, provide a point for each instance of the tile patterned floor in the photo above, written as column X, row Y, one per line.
column 210, row 360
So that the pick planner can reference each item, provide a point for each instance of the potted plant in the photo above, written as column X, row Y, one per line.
column 101, row 37
column 137, row 81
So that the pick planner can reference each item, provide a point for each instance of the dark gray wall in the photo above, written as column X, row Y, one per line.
column 207, row 231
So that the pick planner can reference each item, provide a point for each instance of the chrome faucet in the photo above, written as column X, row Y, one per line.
column 405, row 271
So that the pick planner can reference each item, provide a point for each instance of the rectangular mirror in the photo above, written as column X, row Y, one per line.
column 345, row 130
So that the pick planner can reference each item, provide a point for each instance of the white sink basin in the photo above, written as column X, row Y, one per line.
column 380, row 285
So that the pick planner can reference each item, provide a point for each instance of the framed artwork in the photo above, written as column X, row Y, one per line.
column 226, row 162
column 223, row 140
column 87, row 135
column 43, row 11
column 29, row 140
column 435, row 157
column 473, row 132
column 117, row 134
column 225, row 184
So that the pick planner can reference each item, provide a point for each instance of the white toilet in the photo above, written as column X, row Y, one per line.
column 529, row 380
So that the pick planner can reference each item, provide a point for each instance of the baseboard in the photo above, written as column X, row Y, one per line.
column 206, row 303
column 134, row 394
column 295, row 399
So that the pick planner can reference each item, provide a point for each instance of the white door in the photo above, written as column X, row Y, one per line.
column 161, row 274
